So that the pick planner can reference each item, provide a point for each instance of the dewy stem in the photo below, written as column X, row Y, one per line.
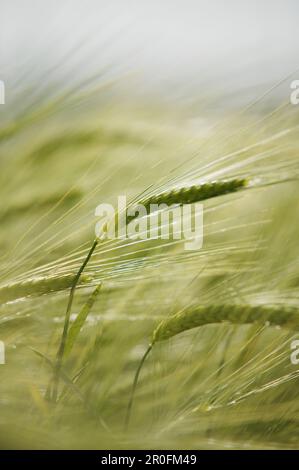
column 61, row 349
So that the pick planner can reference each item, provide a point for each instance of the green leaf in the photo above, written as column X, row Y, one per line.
column 80, row 320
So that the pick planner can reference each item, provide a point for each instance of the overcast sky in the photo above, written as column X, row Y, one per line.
column 166, row 44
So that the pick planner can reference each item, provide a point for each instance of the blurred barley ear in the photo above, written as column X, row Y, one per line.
column 205, row 315
column 38, row 286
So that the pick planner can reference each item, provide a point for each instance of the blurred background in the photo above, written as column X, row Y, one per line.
column 227, row 51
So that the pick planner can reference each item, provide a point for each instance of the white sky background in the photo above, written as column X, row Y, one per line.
column 179, row 47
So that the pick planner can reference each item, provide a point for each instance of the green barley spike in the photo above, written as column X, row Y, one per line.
column 196, row 193
column 38, row 286
column 236, row 314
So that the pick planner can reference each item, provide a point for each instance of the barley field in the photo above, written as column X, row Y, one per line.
column 153, row 346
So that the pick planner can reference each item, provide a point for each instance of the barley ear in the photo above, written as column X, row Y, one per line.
column 197, row 316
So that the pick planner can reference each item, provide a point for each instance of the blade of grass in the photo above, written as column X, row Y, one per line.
column 61, row 349
column 80, row 320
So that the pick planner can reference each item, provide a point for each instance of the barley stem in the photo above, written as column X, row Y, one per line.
column 130, row 404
